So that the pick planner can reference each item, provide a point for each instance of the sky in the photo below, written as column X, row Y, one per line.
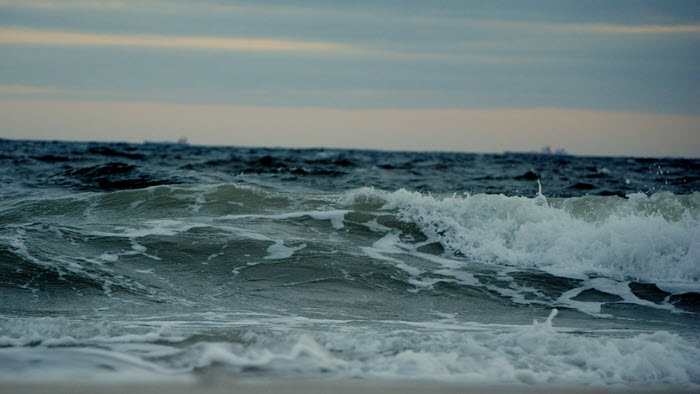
column 592, row 77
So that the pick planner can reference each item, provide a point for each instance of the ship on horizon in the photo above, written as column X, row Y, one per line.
column 180, row 141
column 546, row 151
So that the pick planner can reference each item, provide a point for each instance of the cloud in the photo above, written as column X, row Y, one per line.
column 26, row 36
column 23, row 89
column 474, row 130
column 29, row 36
column 62, row 4
column 630, row 29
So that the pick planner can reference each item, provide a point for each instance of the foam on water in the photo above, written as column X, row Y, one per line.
column 649, row 239
column 279, row 251
column 638, row 238
column 444, row 350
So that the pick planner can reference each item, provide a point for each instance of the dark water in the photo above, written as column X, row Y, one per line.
column 165, row 261
column 70, row 167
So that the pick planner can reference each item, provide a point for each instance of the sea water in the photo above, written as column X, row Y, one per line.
column 155, row 262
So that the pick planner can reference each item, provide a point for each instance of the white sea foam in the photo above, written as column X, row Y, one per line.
column 161, row 227
column 620, row 289
column 279, row 251
column 385, row 246
column 60, row 331
column 444, row 351
column 613, row 241
column 517, row 354
column 373, row 225
column 655, row 239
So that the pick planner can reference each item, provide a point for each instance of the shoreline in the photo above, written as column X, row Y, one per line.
column 293, row 386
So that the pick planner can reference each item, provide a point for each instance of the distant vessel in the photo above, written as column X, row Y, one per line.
column 547, row 151
column 180, row 141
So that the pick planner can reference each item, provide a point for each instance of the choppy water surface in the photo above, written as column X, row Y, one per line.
column 171, row 262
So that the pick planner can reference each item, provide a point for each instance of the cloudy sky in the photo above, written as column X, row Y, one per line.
column 594, row 77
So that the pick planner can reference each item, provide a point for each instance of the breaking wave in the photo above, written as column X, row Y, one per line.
column 443, row 350
column 646, row 238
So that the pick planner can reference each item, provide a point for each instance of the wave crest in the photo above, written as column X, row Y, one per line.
column 645, row 238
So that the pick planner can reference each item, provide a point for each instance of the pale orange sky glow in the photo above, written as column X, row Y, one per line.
column 20, row 36
column 492, row 130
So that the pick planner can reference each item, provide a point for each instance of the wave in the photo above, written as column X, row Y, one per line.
column 148, row 242
column 443, row 349
column 646, row 238
column 58, row 167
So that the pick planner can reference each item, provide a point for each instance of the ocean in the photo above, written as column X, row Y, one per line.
column 175, row 263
